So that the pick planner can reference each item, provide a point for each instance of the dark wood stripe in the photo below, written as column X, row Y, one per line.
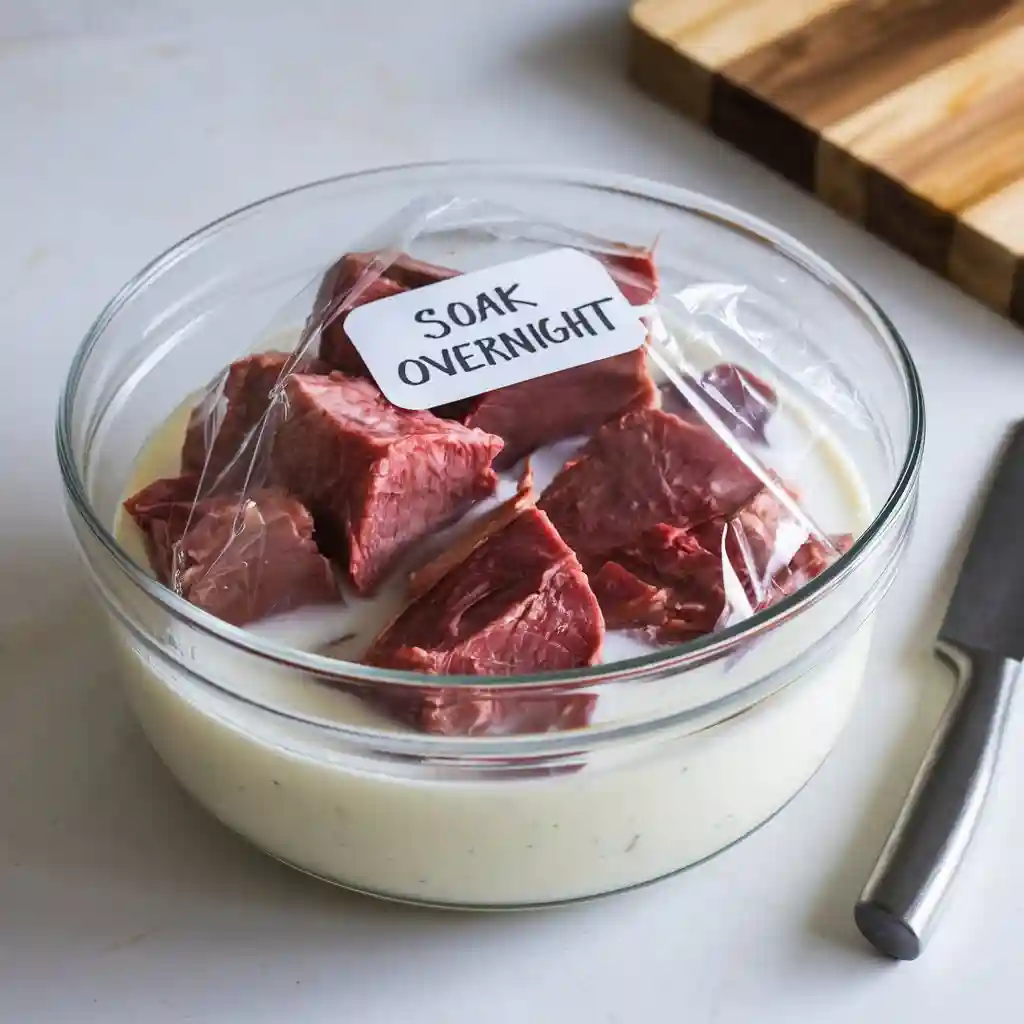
column 908, row 222
column 669, row 76
column 764, row 132
column 776, row 102
column 851, row 56
column 1017, row 295
column 839, row 181
column 981, row 266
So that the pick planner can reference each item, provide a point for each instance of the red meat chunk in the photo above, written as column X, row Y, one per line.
column 811, row 560
column 671, row 582
column 518, row 603
column 241, row 560
column 220, row 442
column 743, row 401
column 685, row 580
column 426, row 577
column 376, row 478
column 342, row 290
column 645, row 468
column 625, row 599
column 565, row 404
column 656, row 507
column 162, row 511
column 634, row 271
column 525, row 415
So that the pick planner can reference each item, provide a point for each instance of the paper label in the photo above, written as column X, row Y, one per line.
column 490, row 328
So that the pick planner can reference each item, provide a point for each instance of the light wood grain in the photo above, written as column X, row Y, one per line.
column 906, row 116
column 911, row 132
column 1000, row 216
column 714, row 32
column 855, row 53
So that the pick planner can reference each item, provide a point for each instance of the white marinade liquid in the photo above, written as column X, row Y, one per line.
column 637, row 810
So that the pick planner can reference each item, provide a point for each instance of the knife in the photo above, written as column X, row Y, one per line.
column 982, row 639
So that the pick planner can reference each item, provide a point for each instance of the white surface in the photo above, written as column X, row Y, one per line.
column 126, row 125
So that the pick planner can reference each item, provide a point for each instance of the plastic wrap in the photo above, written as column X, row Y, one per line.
column 582, row 516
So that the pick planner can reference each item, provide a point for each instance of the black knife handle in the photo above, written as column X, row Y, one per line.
column 902, row 898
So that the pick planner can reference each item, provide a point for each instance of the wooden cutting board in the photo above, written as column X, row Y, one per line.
column 905, row 115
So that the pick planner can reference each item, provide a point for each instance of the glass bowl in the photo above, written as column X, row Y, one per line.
column 695, row 745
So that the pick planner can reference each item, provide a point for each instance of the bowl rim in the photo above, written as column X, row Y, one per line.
column 686, row 656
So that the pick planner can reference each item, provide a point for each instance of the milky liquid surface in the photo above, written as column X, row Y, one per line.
column 448, row 832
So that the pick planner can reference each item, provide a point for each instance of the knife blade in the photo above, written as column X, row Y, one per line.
column 982, row 639
column 986, row 612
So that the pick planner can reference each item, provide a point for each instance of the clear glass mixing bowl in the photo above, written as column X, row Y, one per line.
column 695, row 746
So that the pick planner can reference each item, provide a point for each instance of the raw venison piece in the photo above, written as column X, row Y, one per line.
column 811, row 560
column 656, row 506
column 667, row 582
column 572, row 402
column 245, row 397
column 577, row 401
column 672, row 581
column 485, row 526
column 525, row 415
column 645, row 468
column 238, row 559
column 626, row 600
column 376, row 478
column 743, row 401
column 634, row 271
column 770, row 551
column 162, row 511
column 519, row 603
column 336, row 299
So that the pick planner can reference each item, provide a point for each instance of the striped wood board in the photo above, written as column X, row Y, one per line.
column 905, row 115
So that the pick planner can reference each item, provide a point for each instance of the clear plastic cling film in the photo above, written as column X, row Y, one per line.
column 581, row 516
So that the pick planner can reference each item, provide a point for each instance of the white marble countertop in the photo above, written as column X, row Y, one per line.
column 126, row 125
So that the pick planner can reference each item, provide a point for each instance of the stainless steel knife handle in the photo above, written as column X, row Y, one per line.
column 901, row 900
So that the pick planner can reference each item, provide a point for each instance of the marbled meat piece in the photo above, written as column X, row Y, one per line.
column 569, row 403
column 519, row 603
column 220, row 432
column 742, row 400
column 577, row 401
column 674, row 530
column 625, row 599
column 684, row 593
column 672, row 581
column 483, row 527
column 163, row 511
column 358, row 278
column 376, row 478
column 811, row 559
column 525, row 414
column 645, row 468
column 240, row 559
column 633, row 269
